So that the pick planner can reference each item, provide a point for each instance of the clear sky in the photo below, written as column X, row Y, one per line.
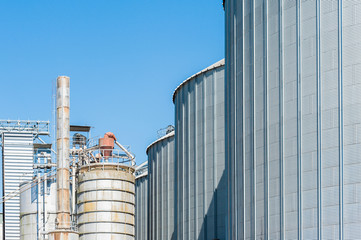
column 124, row 60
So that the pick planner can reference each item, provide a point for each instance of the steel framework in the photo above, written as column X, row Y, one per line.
column 23, row 126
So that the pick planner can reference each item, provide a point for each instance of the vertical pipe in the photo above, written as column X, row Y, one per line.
column 266, row 121
column 253, row 126
column 62, row 175
column 243, row 217
column 299, row 120
column 73, row 190
column 319, row 121
column 45, row 191
column 281, row 119
column 38, row 207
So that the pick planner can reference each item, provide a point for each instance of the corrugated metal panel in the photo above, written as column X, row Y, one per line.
column 17, row 167
column 213, row 66
column 161, row 188
column 200, row 162
column 293, row 108
column 141, row 208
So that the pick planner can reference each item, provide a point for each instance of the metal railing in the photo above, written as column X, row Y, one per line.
column 35, row 127
column 91, row 153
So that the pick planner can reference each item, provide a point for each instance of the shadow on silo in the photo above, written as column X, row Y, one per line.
column 214, row 223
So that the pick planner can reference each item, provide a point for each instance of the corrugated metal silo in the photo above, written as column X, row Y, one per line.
column 200, row 158
column 161, row 188
column 106, row 202
column 293, row 110
column 141, row 206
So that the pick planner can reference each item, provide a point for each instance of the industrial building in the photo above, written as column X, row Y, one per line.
column 266, row 144
column 293, row 110
column 200, row 177
column 19, row 151
column 87, row 192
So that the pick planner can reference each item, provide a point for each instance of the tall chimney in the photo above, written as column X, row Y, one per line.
column 63, row 135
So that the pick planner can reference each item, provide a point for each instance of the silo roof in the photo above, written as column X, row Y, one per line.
column 141, row 170
column 213, row 66
column 171, row 134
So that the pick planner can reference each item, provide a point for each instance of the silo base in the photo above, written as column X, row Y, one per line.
column 63, row 235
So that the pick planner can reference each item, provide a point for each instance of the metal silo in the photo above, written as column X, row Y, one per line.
column 293, row 110
column 161, row 188
column 106, row 190
column 37, row 209
column 141, row 202
column 106, row 202
column 200, row 158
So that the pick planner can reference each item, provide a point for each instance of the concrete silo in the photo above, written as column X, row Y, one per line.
column 161, row 188
column 293, row 110
column 200, row 180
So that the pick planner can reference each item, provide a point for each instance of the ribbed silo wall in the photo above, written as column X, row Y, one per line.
column 200, row 158
column 161, row 188
column 141, row 208
column 293, row 114
column 106, row 202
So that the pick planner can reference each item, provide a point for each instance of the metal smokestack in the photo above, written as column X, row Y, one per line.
column 63, row 134
column 63, row 229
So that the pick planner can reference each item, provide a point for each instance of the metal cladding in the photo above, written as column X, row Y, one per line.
column 200, row 201
column 106, row 202
column 36, row 211
column 141, row 207
column 161, row 188
column 18, row 159
column 293, row 112
column 63, row 134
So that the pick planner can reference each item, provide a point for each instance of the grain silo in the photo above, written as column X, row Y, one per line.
column 141, row 202
column 199, row 154
column 161, row 187
column 106, row 202
column 37, row 208
column 293, row 110
column 105, row 193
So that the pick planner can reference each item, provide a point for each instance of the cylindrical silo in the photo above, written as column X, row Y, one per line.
column 199, row 154
column 141, row 206
column 293, row 114
column 161, row 188
column 37, row 209
column 106, row 202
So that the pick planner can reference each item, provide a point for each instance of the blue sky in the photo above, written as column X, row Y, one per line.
column 124, row 58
